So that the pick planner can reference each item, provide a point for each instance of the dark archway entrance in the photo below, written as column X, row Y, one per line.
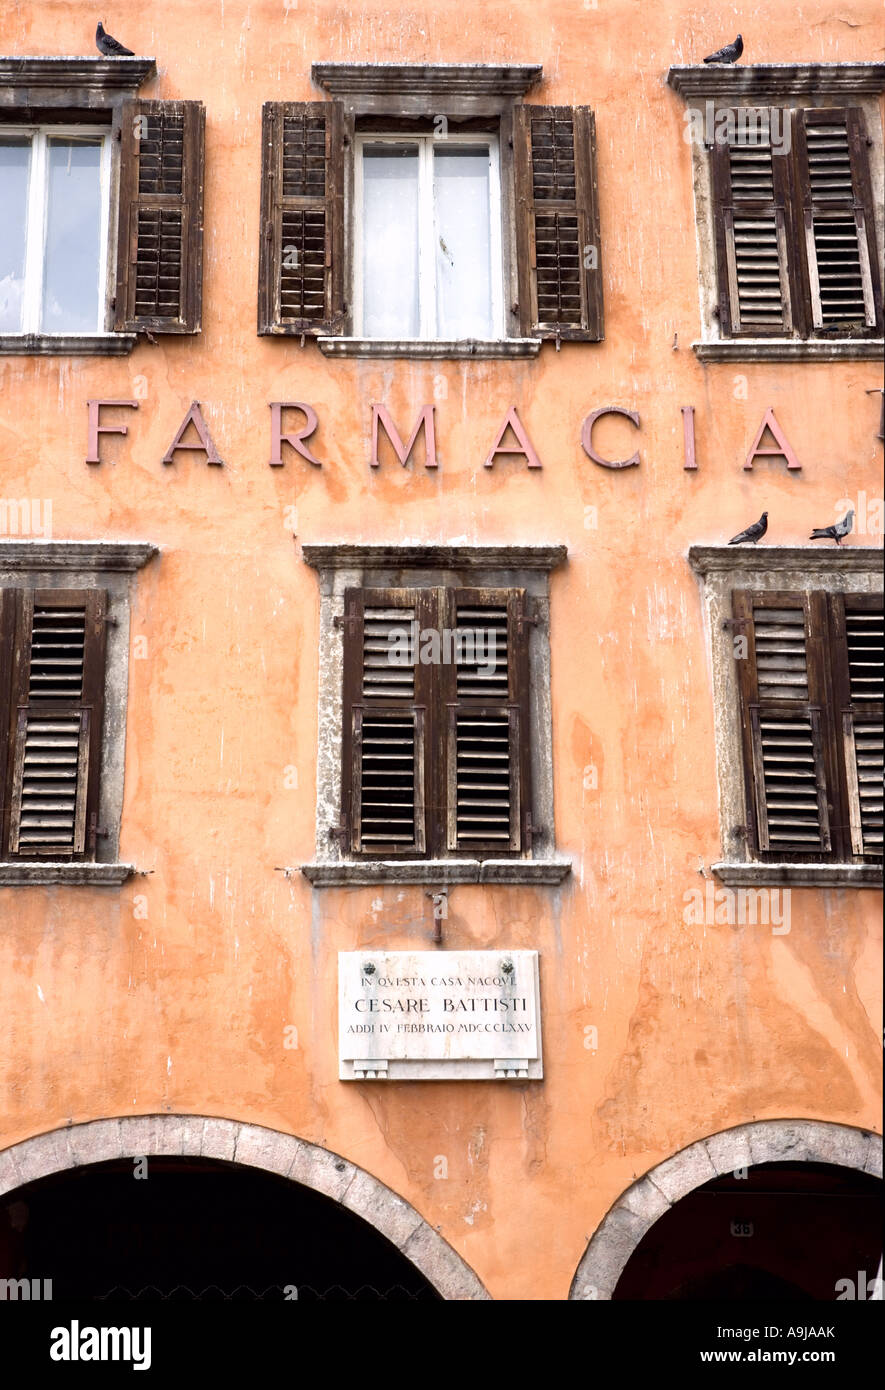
column 195, row 1229
column 785, row 1231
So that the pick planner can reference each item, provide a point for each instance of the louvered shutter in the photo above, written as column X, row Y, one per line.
column 752, row 194
column 160, row 239
column 858, row 680
column 486, row 722
column 557, row 223
column 387, row 693
column 56, row 715
column 784, row 703
column 301, row 261
column 838, row 222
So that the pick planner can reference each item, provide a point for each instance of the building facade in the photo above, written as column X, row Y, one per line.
column 380, row 394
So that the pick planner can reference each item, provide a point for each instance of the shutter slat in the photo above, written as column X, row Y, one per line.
column 862, row 724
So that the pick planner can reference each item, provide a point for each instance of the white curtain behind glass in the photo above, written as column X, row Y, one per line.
column 390, row 242
column 463, row 250
column 73, row 229
column 15, row 157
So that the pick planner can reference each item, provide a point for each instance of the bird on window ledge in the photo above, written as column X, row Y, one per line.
column 108, row 46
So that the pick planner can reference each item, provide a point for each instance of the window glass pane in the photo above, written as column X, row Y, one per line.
column 462, row 242
column 390, row 242
column 73, row 236
column 15, row 155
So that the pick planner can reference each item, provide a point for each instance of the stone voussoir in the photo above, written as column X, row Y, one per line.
column 432, row 1255
column 382, row 1208
column 686, row 1170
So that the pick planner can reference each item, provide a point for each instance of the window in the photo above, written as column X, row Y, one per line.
column 63, row 679
column 811, row 716
column 435, row 761
column 797, row 712
column 428, row 238
column 102, row 228
column 436, row 722
column 785, row 161
column 54, row 236
column 390, row 231
column 795, row 227
column 56, row 640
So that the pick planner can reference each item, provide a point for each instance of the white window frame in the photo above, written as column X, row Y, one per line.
column 426, row 144
column 37, row 212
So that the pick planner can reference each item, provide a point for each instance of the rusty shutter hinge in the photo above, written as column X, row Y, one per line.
column 340, row 831
column 729, row 624
column 526, row 619
column 531, row 830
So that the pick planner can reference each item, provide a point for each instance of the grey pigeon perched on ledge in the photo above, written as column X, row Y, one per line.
column 729, row 54
column 834, row 533
column 109, row 46
column 753, row 533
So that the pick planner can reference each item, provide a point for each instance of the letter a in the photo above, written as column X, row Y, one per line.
column 523, row 446
column 206, row 445
column 784, row 447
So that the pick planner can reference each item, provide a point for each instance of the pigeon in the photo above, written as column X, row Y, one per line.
column 753, row 533
column 834, row 533
column 729, row 54
column 108, row 45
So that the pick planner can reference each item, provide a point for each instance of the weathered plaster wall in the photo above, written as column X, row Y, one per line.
column 173, row 993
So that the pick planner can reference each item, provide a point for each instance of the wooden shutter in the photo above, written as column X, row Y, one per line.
column 301, row 260
column 838, row 223
column 387, row 693
column 557, row 223
column 56, row 705
column 858, row 683
column 788, row 756
column 752, row 196
column 160, row 239
column 487, row 722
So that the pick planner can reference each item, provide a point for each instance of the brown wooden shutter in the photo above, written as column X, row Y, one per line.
column 557, row 223
column 752, row 198
column 57, row 691
column 838, row 221
column 160, row 239
column 386, row 721
column 301, row 260
column 487, row 723
column 788, row 752
column 857, row 646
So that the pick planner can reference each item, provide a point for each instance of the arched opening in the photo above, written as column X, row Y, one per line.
column 183, row 1228
column 777, row 1231
column 806, row 1173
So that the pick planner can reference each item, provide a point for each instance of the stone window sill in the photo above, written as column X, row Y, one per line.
column 799, row 875
column 436, row 871
column 436, row 348
column 94, row 875
column 67, row 344
column 790, row 350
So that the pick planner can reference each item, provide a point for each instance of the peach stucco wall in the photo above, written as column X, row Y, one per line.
column 106, row 1011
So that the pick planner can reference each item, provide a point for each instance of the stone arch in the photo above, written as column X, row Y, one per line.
column 198, row 1136
column 764, row 1141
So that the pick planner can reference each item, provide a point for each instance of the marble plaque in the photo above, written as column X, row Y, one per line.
column 439, row 1015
